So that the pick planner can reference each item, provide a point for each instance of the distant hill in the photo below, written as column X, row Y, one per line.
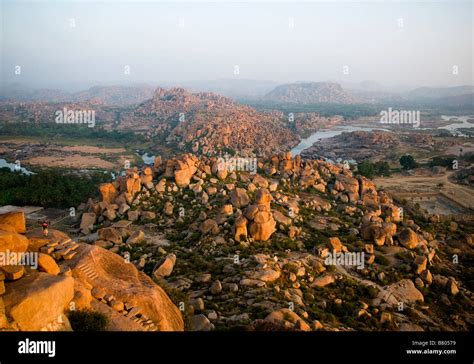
column 115, row 95
column 311, row 93
column 19, row 92
column 460, row 101
column 234, row 88
column 439, row 92
column 301, row 93
column 372, row 92
column 106, row 95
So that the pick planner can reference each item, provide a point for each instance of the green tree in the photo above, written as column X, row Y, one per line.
column 366, row 169
column 441, row 161
column 382, row 169
column 408, row 162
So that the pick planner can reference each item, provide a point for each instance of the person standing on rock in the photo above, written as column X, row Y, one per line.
column 45, row 225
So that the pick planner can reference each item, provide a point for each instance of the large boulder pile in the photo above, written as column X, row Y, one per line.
column 211, row 217
column 346, row 187
column 183, row 169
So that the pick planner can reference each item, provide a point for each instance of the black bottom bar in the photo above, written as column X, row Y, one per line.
column 364, row 347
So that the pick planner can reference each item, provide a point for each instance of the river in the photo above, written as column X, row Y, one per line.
column 458, row 122
column 324, row 134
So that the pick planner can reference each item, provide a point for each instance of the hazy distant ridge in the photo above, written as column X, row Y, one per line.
column 311, row 93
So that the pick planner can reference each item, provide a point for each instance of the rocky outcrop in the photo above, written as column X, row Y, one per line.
column 97, row 268
column 348, row 185
column 147, row 176
column 88, row 219
column 184, row 169
column 402, row 291
column 132, row 182
column 12, row 228
column 408, row 238
column 11, row 241
column 165, row 267
column 240, row 229
column 262, row 225
column 37, row 300
column 261, row 240
column 368, row 145
column 15, row 220
column 108, row 192
column 239, row 198
column 210, row 122
column 288, row 320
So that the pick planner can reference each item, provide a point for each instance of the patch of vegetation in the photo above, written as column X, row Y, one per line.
column 326, row 109
column 227, row 150
column 381, row 259
column 369, row 169
column 179, row 298
column 441, row 161
column 408, row 162
column 87, row 320
column 77, row 131
column 285, row 244
column 48, row 188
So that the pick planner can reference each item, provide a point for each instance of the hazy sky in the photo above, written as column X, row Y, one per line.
column 393, row 43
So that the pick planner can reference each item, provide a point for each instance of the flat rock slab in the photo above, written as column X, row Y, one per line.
column 26, row 209
column 402, row 291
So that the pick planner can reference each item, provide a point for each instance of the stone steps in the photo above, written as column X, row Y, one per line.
column 88, row 271
column 65, row 249
column 129, row 311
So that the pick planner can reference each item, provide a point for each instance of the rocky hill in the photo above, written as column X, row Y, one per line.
column 311, row 93
column 115, row 95
column 206, row 123
column 245, row 251
column 98, row 95
column 297, row 244
column 181, row 121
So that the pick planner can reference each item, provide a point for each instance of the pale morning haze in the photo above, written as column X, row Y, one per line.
column 393, row 43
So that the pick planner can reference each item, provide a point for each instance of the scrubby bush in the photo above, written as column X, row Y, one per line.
column 408, row 162
column 368, row 169
column 87, row 320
